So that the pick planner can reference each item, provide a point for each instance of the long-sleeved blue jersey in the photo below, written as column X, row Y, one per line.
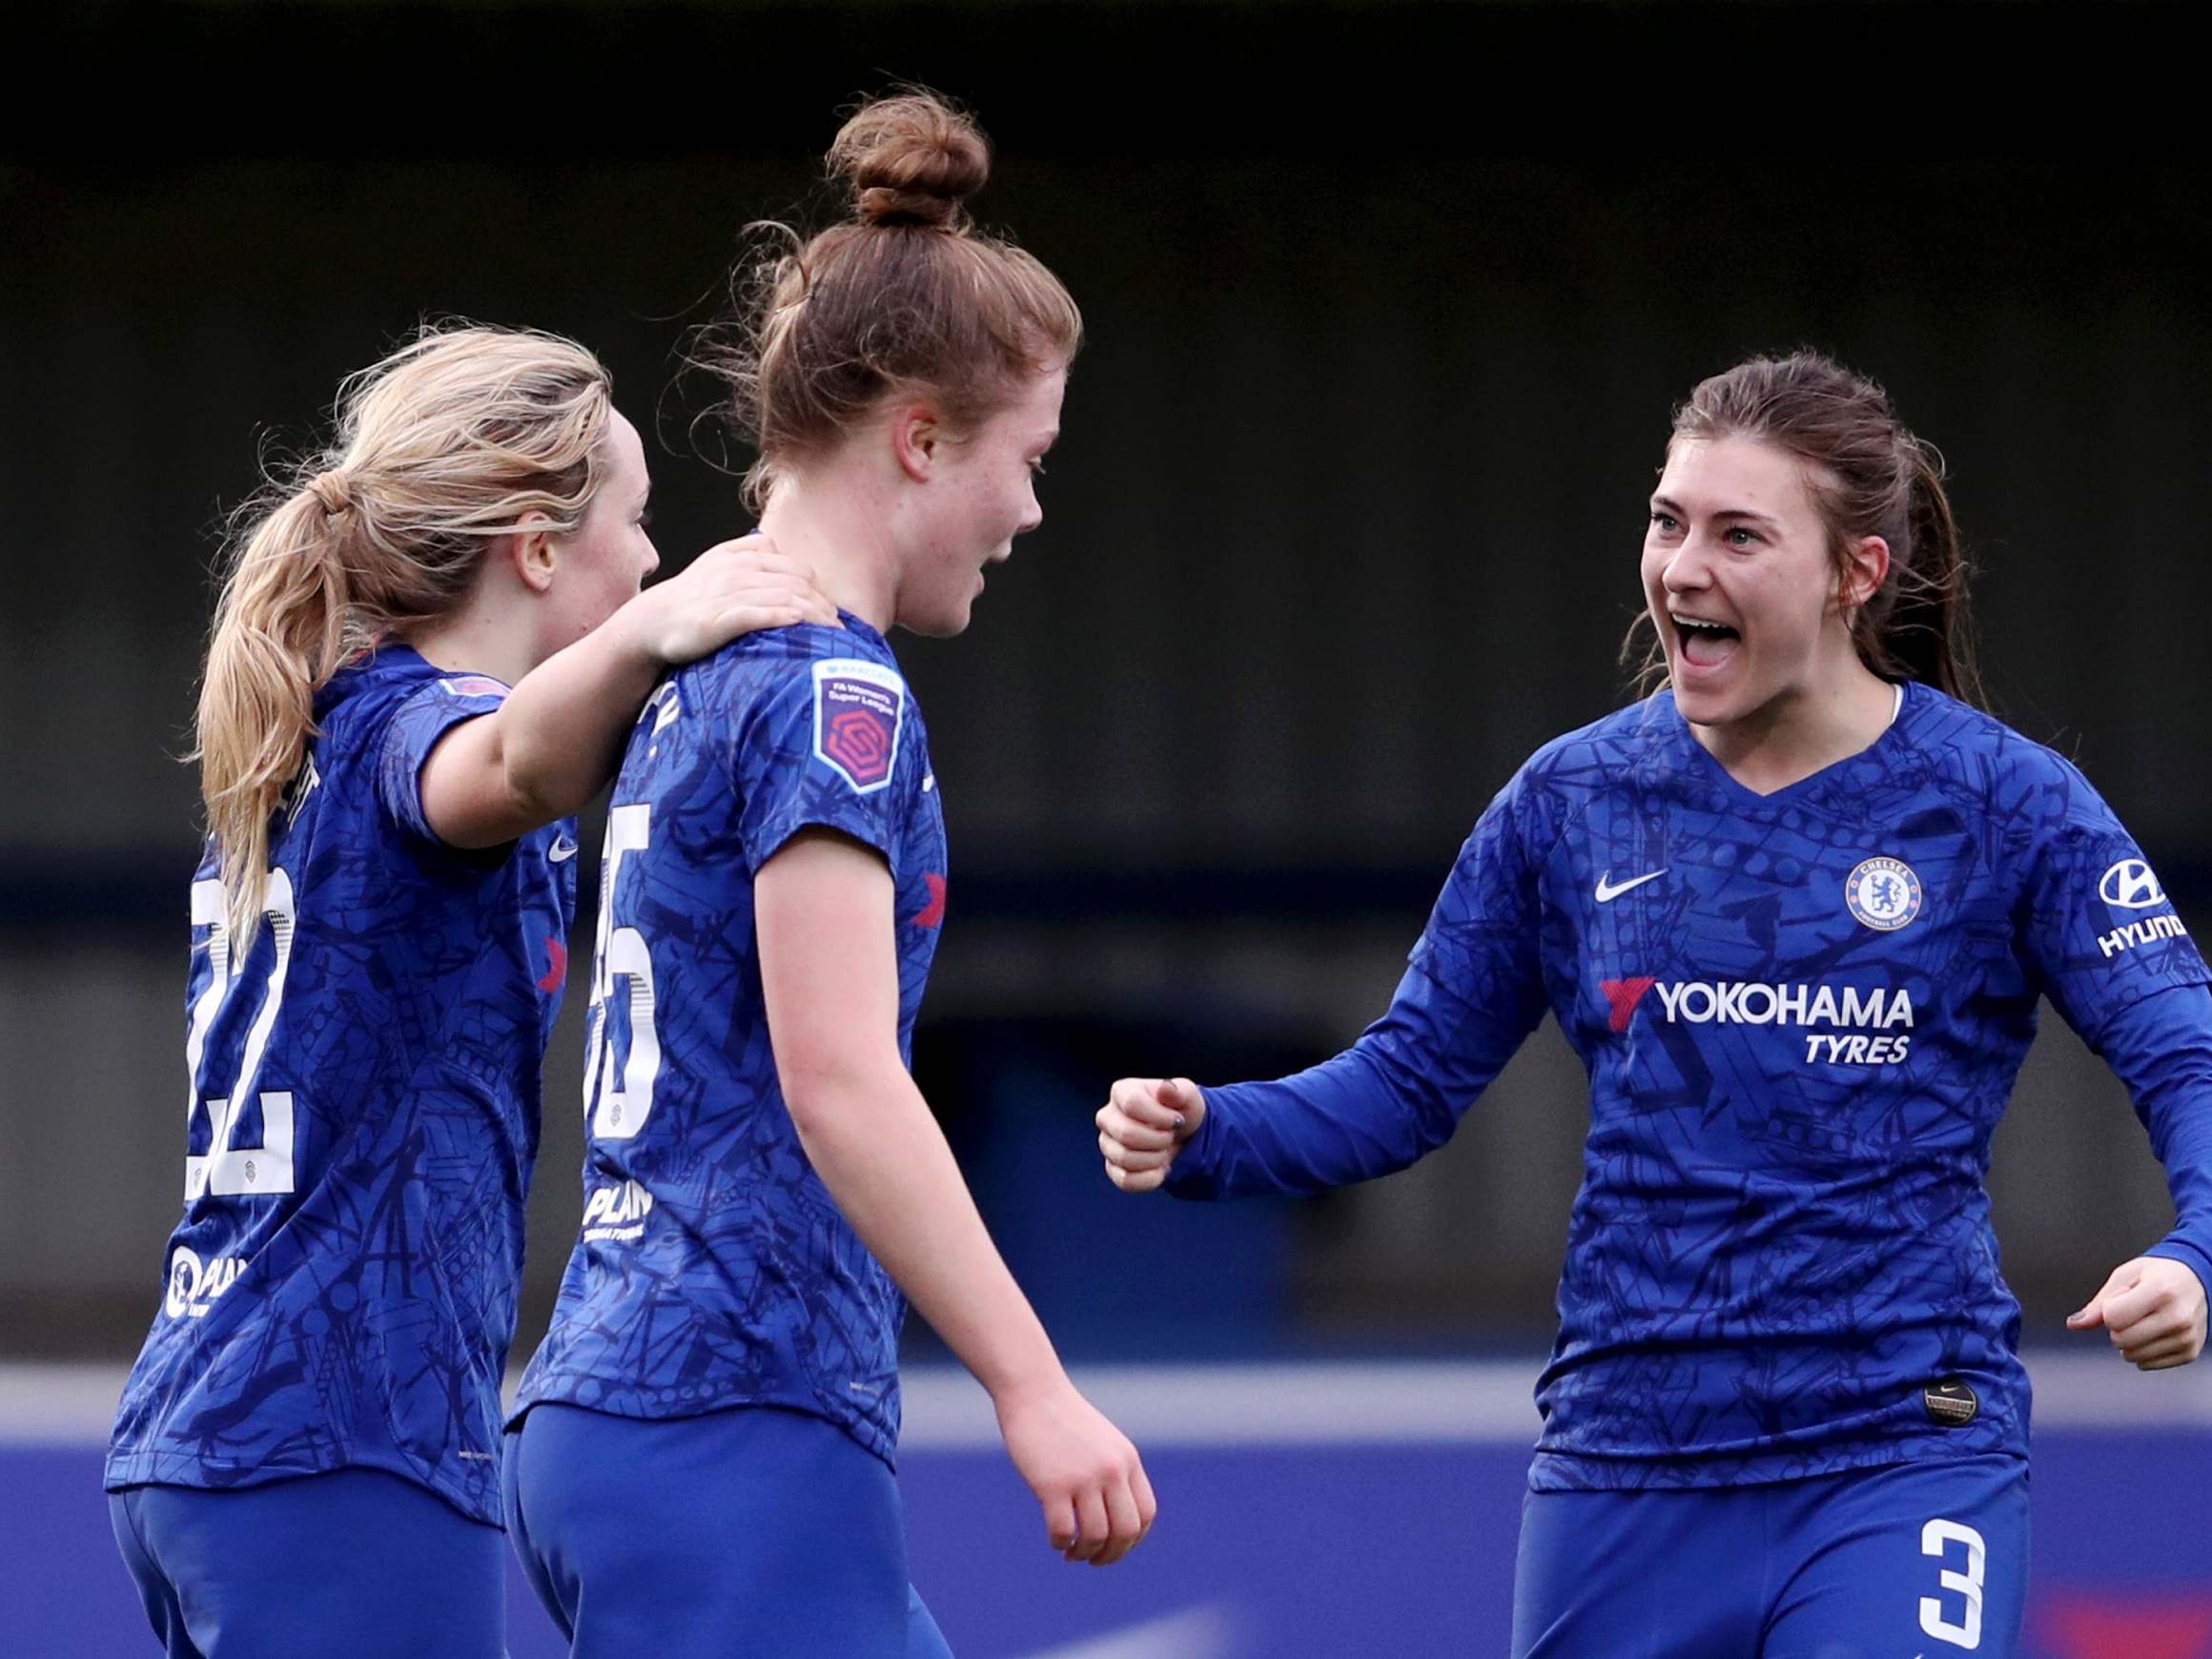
column 1802, row 1015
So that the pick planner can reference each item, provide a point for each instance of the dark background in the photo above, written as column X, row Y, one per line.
column 1387, row 308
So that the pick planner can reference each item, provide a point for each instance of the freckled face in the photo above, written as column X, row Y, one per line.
column 601, row 564
column 1738, row 575
column 984, row 496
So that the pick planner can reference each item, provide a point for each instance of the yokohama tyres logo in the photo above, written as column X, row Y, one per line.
column 1861, row 1026
column 1752, row 1002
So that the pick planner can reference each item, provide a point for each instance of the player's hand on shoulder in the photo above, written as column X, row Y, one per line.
column 1144, row 1125
column 2154, row 1310
column 1087, row 1477
column 732, row 589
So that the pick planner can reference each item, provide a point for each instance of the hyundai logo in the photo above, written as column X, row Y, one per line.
column 2130, row 885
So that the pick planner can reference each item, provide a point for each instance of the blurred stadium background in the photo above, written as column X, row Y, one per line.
column 1388, row 305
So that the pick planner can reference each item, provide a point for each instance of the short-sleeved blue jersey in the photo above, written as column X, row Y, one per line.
column 1802, row 1015
column 714, row 1269
column 361, row 1123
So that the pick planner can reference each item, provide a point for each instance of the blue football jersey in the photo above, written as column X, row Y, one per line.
column 360, row 1124
column 714, row 1269
column 1802, row 1015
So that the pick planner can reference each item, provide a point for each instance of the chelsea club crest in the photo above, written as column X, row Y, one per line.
column 1884, row 893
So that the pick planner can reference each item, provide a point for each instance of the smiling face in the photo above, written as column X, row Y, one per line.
column 1742, row 583
column 981, row 494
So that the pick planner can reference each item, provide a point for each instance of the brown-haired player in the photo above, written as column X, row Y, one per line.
column 1794, row 912
column 701, row 1458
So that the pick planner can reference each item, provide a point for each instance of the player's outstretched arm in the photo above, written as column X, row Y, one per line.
column 823, row 912
column 1143, row 1124
column 557, row 738
column 1388, row 1101
column 2154, row 1310
column 1472, row 990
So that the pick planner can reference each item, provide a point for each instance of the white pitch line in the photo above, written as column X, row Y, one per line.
column 59, row 1405
column 1197, row 1633
column 1367, row 1402
column 1337, row 1404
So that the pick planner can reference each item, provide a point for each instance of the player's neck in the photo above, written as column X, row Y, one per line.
column 482, row 637
column 841, row 532
column 1791, row 737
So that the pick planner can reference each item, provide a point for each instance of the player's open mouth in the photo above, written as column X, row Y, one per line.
column 1703, row 644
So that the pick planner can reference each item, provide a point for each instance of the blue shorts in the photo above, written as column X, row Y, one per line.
column 1927, row 1558
column 754, row 1531
column 353, row 1565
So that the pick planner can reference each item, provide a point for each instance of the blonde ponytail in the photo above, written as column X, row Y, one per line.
column 442, row 447
column 279, row 634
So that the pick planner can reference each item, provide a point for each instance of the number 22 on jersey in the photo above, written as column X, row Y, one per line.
column 228, row 1169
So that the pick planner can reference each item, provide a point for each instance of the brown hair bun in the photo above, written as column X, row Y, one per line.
column 911, row 159
column 905, row 297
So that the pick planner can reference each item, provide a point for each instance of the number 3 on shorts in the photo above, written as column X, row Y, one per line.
column 1935, row 1538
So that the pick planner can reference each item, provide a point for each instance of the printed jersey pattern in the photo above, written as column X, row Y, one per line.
column 1802, row 1015
column 361, row 1123
column 714, row 1269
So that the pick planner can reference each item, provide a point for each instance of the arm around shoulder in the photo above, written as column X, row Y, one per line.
column 556, row 739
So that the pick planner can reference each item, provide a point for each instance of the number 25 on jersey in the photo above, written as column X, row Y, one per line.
column 618, row 1091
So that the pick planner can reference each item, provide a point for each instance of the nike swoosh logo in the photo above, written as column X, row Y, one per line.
column 561, row 852
column 1608, row 892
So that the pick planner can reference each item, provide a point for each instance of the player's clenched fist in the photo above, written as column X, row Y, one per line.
column 1144, row 1125
column 2154, row 1310
column 1097, row 1503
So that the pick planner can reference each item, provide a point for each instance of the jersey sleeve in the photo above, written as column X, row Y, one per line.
column 820, row 745
column 1471, row 994
column 415, row 725
column 2161, row 1048
column 2099, row 933
column 1483, row 945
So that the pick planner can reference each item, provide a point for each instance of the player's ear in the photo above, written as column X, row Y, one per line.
column 530, row 552
column 1865, row 566
column 916, row 435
